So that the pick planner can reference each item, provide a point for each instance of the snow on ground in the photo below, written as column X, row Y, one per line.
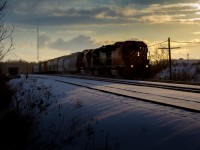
column 144, row 82
column 182, row 71
column 171, row 97
column 72, row 117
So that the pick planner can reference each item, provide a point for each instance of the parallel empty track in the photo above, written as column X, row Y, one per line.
column 189, row 104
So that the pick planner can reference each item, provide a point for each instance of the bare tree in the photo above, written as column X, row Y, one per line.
column 159, row 58
column 159, row 55
column 6, row 42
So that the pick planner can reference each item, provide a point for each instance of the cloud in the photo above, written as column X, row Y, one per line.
column 135, row 39
column 43, row 41
column 84, row 12
column 139, row 2
column 78, row 43
column 196, row 33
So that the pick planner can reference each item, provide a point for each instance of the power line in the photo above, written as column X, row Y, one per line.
column 191, row 46
column 175, row 42
column 185, row 42
column 188, row 43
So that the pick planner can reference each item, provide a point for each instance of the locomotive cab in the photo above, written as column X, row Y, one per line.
column 130, row 59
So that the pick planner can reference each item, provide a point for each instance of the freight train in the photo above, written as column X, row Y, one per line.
column 123, row 59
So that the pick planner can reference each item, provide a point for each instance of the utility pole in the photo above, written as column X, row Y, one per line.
column 37, row 42
column 170, row 60
column 26, row 70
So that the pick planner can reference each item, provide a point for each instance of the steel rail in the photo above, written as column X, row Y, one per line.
column 169, row 87
column 128, row 96
column 133, row 97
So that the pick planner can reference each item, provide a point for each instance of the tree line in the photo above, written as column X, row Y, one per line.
column 22, row 65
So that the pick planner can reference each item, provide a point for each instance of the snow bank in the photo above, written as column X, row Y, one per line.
column 71, row 117
column 181, row 71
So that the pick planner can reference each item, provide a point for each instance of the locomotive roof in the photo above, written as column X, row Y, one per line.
column 138, row 43
column 112, row 47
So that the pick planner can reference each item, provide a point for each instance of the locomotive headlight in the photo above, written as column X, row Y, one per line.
column 147, row 66
column 132, row 66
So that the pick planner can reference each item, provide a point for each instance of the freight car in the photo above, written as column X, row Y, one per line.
column 123, row 59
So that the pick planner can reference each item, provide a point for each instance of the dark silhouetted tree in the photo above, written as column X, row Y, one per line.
column 6, row 42
column 159, row 59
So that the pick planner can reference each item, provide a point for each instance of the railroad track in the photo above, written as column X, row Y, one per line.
column 180, row 103
column 176, row 87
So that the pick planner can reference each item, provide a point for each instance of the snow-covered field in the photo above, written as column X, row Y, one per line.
column 72, row 117
column 182, row 71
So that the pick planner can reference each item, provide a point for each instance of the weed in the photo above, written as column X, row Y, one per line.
column 6, row 97
column 15, row 128
column 90, row 131
column 78, row 103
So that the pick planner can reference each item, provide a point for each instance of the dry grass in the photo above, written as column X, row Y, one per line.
column 14, row 126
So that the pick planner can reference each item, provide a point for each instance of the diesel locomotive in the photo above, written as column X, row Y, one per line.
column 123, row 59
